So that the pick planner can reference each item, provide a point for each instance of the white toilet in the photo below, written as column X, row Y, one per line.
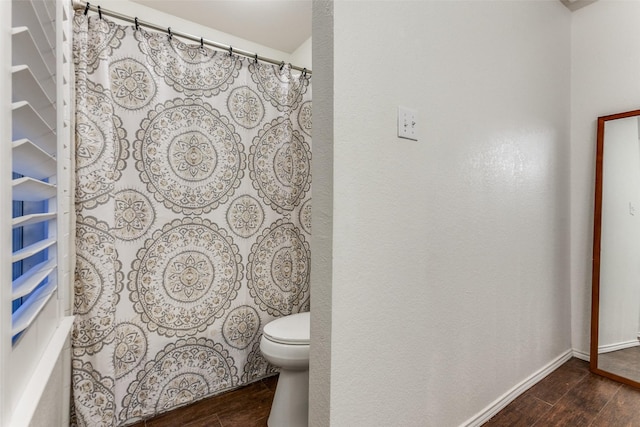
column 285, row 344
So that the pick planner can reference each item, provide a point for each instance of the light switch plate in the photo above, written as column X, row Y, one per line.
column 407, row 123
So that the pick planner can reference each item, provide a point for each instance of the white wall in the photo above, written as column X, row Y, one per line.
column 302, row 55
column 449, row 255
column 320, row 373
column 620, row 244
column 604, row 80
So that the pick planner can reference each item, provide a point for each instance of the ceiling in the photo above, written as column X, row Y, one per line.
column 279, row 24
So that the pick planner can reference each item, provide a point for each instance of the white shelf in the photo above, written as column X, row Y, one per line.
column 21, row 221
column 28, row 124
column 31, row 160
column 25, row 87
column 30, row 280
column 26, row 13
column 27, row 313
column 31, row 250
column 25, row 52
column 31, row 190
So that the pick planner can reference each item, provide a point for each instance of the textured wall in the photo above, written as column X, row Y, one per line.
column 303, row 54
column 322, row 216
column 604, row 80
column 450, row 280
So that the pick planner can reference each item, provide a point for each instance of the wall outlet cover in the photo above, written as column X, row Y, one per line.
column 407, row 123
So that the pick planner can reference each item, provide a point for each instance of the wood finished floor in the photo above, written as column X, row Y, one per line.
column 569, row 396
column 247, row 406
column 572, row 396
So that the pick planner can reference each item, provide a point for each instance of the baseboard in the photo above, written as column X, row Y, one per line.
column 501, row 402
column 581, row 355
column 617, row 346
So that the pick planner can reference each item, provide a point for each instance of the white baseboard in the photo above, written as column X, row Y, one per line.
column 501, row 402
column 607, row 348
column 579, row 354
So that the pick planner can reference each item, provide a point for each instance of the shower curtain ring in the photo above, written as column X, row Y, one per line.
column 255, row 58
column 99, row 13
column 169, row 32
column 136, row 21
column 86, row 8
column 304, row 72
column 230, row 51
column 201, row 43
column 281, row 65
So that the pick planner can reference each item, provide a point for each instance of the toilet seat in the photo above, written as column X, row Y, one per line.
column 294, row 329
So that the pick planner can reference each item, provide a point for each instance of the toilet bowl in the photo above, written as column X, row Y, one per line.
column 285, row 344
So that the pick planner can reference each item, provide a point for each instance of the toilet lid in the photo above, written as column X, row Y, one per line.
column 291, row 329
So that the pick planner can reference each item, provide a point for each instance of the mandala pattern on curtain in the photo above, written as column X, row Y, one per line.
column 193, row 204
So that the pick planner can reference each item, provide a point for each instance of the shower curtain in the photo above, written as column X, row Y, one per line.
column 193, row 203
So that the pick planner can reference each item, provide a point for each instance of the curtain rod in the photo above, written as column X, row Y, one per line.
column 80, row 4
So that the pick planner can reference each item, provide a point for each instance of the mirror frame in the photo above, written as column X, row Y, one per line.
column 597, row 234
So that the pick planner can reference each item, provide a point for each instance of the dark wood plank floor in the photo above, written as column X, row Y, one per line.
column 247, row 406
column 570, row 396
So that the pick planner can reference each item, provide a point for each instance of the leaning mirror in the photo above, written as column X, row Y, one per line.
column 615, row 315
